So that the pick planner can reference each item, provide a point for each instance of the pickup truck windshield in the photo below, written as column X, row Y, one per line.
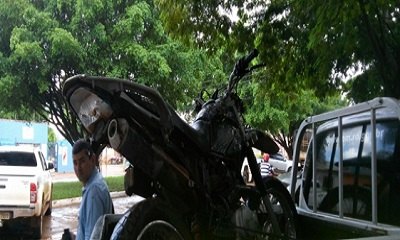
column 17, row 159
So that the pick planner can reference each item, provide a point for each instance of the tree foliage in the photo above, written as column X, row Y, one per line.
column 322, row 42
column 280, row 111
column 51, row 136
column 43, row 42
column 309, row 47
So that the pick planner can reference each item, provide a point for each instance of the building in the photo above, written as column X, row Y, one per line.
column 15, row 132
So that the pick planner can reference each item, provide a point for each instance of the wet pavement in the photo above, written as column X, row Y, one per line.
column 65, row 212
column 67, row 217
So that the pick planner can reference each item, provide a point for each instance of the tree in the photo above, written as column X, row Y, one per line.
column 360, row 35
column 281, row 112
column 309, row 48
column 43, row 42
column 52, row 138
column 319, row 41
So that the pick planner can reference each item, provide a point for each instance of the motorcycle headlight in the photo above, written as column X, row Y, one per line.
column 89, row 107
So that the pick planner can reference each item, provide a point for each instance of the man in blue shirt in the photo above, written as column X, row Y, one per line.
column 96, row 200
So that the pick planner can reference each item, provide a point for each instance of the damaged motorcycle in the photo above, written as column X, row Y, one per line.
column 188, row 174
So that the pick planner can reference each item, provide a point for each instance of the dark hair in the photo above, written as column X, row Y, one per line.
column 80, row 145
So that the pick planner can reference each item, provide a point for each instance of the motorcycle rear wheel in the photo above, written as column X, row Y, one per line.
column 159, row 229
column 152, row 219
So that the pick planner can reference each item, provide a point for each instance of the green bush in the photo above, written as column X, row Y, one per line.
column 63, row 190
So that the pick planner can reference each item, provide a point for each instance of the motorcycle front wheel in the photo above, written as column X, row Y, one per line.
column 152, row 219
column 283, row 208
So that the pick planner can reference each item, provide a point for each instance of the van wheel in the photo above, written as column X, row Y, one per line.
column 356, row 202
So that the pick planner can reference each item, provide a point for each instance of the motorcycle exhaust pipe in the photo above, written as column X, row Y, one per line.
column 132, row 146
column 123, row 139
column 115, row 133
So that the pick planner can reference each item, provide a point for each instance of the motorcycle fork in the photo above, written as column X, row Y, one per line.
column 252, row 161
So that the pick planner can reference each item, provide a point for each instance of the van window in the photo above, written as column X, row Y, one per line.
column 357, row 180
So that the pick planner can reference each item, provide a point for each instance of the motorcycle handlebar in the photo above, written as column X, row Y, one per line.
column 243, row 63
column 241, row 69
column 246, row 60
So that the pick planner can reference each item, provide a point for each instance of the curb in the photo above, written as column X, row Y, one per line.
column 77, row 200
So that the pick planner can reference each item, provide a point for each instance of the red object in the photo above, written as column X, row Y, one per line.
column 33, row 193
column 266, row 157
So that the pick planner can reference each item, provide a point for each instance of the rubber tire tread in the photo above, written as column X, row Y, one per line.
column 36, row 223
column 246, row 175
column 148, row 210
column 271, row 183
column 50, row 208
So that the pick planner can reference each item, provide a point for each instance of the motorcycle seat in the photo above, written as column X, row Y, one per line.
column 196, row 134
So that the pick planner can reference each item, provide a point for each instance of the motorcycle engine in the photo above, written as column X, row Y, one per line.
column 226, row 140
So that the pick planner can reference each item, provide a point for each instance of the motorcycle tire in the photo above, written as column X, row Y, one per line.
column 246, row 175
column 153, row 219
column 284, row 209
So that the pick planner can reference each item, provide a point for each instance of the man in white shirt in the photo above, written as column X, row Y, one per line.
column 266, row 168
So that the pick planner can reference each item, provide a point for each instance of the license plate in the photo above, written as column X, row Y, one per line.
column 5, row 215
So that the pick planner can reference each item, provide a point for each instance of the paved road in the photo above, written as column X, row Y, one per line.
column 65, row 212
column 66, row 216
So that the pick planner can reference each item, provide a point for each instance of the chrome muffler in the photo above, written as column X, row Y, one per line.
column 117, row 133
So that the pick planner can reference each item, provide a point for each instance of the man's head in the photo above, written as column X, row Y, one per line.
column 266, row 157
column 84, row 160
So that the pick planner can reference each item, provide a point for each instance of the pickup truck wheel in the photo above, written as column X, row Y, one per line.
column 36, row 226
column 48, row 211
column 50, row 208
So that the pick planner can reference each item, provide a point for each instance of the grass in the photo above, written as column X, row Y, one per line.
column 63, row 190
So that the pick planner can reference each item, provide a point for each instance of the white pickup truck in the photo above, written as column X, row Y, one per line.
column 25, row 189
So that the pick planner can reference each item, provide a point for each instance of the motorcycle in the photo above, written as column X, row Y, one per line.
column 189, row 175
